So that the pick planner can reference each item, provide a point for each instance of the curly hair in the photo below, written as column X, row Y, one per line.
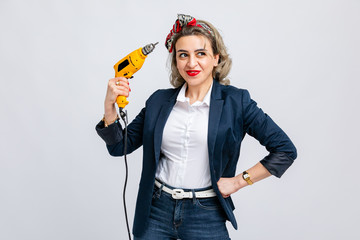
column 221, row 71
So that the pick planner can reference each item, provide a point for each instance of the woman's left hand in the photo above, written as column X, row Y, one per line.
column 228, row 186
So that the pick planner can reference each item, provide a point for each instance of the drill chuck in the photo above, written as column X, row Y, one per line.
column 148, row 48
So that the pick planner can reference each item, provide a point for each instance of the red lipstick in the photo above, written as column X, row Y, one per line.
column 193, row 72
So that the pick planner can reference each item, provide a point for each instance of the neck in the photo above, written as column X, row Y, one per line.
column 197, row 93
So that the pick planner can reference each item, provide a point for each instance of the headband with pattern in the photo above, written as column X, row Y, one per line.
column 183, row 20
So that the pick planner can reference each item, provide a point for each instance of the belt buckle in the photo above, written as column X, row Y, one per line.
column 177, row 194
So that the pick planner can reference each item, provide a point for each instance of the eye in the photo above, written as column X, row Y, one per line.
column 201, row 53
column 182, row 55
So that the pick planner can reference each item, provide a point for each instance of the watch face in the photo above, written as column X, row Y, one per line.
column 246, row 175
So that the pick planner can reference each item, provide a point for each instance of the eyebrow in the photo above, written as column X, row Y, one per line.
column 197, row 50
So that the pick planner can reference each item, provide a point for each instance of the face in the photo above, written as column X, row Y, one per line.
column 195, row 60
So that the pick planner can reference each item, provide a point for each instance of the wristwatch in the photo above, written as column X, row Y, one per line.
column 246, row 177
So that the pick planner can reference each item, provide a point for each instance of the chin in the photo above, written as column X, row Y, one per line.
column 193, row 82
column 197, row 82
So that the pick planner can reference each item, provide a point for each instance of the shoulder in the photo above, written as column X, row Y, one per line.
column 162, row 94
column 231, row 92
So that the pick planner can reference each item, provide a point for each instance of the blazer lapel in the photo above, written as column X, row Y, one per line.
column 160, row 123
column 216, row 106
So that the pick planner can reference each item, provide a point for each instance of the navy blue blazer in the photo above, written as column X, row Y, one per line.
column 232, row 114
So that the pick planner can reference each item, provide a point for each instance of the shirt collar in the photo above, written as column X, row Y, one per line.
column 181, row 96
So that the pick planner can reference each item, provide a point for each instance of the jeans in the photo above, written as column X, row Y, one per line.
column 185, row 219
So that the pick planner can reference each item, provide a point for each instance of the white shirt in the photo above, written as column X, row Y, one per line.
column 185, row 159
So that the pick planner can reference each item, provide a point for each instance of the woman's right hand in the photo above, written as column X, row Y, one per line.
column 118, row 86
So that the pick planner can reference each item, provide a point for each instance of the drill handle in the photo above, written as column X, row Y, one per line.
column 121, row 101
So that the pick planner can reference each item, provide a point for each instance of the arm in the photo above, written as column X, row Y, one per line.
column 282, row 151
column 113, row 134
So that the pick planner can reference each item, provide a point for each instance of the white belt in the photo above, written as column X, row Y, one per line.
column 180, row 193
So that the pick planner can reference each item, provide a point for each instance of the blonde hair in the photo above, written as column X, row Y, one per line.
column 221, row 71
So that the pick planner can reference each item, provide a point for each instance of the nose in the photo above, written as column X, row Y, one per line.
column 192, row 62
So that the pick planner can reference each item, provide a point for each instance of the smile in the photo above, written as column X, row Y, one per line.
column 192, row 72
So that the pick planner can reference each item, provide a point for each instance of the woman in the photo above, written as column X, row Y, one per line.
column 191, row 137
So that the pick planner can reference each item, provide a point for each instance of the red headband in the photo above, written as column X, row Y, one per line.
column 183, row 20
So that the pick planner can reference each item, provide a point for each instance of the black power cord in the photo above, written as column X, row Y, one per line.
column 123, row 115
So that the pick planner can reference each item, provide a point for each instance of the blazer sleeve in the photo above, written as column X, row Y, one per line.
column 113, row 135
column 258, row 124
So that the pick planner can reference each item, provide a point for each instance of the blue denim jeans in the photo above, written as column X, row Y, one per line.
column 185, row 219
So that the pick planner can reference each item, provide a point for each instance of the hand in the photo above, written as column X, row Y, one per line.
column 118, row 86
column 228, row 186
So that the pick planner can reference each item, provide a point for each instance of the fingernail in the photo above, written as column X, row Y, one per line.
column 129, row 89
column 128, row 83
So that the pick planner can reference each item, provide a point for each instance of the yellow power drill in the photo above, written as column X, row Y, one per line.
column 129, row 65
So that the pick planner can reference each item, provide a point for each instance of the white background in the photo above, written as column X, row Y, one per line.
column 299, row 60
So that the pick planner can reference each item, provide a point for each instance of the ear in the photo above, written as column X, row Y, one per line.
column 216, row 60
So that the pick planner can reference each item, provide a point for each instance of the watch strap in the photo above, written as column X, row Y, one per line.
column 246, row 177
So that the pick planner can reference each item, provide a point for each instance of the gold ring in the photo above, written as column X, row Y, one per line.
column 117, row 83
